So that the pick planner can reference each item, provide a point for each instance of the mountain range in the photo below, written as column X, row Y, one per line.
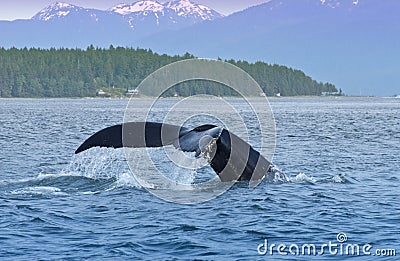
column 66, row 25
column 351, row 43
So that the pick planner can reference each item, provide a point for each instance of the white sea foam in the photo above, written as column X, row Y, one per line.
column 126, row 179
column 39, row 190
column 275, row 175
column 301, row 177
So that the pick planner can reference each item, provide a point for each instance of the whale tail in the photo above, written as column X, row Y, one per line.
column 230, row 157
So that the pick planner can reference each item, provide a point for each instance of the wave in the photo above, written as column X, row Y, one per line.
column 95, row 172
column 277, row 176
column 100, row 170
column 39, row 190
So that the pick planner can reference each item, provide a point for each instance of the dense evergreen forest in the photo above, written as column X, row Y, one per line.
column 81, row 73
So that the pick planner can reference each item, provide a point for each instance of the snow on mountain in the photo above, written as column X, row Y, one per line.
column 180, row 8
column 174, row 15
column 56, row 10
column 187, row 8
column 147, row 16
column 145, row 13
column 140, row 6
column 63, row 24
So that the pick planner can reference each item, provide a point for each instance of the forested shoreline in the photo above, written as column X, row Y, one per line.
column 50, row 73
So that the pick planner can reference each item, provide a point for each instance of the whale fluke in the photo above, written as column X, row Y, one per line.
column 230, row 157
column 134, row 135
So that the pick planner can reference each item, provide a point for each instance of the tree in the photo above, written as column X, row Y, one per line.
column 76, row 73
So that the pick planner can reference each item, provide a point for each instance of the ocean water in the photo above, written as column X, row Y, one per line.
column 341, row 192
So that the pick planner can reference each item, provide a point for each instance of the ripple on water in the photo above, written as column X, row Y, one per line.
column 341, row 157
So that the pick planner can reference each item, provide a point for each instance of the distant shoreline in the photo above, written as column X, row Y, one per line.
column 227, row 97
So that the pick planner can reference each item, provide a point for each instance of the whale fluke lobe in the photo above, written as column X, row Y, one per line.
column 230, row 157
column 133, row 135
column 108, row 137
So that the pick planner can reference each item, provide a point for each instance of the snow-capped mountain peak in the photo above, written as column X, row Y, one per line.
column 180, row 4
column 182, row 8
column 187, row 8
column 55, row 10
column 140, row 6
column 60, row 5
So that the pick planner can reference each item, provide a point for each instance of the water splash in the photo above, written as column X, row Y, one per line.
column 301, row 178
column 97, row 164
column 101, row 169
column 102, row 164
column 276, row 176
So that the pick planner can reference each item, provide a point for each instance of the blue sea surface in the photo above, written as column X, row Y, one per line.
column 341, row 157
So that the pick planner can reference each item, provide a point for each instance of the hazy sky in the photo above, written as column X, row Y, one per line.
column 24, row 9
